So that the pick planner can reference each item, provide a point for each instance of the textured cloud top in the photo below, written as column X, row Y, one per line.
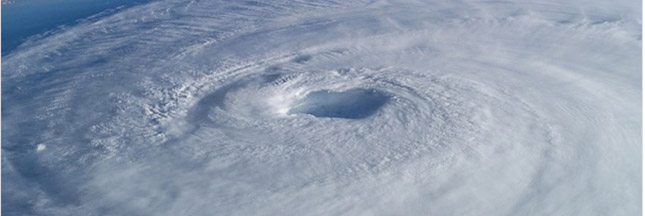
column 329, row 108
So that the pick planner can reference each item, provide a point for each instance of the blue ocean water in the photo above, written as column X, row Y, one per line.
column 24, row 18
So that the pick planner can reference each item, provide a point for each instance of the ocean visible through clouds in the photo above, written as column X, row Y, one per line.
column 321, row 107
column 24, row 18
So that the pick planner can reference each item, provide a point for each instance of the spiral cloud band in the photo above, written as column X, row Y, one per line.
column 328, row 108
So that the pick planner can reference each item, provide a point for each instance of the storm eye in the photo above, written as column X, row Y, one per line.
column 350, row 104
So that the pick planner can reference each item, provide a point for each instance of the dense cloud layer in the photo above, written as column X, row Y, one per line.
column 328, row 108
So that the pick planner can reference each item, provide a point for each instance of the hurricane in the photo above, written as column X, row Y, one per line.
column 381, row 107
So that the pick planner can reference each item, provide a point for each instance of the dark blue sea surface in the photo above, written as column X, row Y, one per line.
column 24, row 18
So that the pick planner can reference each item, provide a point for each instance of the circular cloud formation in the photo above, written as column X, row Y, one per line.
column 328, row 108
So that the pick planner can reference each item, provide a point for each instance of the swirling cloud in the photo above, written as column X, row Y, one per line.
column 328, row 108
